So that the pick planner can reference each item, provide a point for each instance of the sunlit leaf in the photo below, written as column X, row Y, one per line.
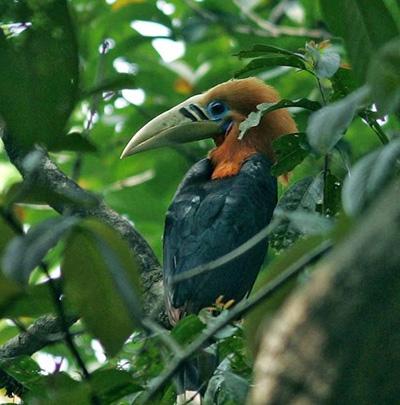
column 97, row 258
column 123, row 3
column 187, row 329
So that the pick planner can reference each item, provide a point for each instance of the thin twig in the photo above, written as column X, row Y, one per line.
column 63, row 319
column 327, row 155
column 238, row 311
column 278, row 11
column 275, row 30
column 373, row 124
column 13, row 222
column 21, row 327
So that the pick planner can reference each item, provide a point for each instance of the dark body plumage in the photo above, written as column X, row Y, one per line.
column 209, row 218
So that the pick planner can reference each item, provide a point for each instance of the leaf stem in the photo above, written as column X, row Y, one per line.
column 373, row 124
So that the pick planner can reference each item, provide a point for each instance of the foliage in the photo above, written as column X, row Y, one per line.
column 79, row 77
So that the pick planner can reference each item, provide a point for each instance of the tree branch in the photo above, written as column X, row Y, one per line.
column 274, row 30
column 239, row 310
column 336, row 340
column 48, row 176
column 46, row 330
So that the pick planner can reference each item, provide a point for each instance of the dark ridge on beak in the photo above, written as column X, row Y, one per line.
column 199, row 111
column 186, row 113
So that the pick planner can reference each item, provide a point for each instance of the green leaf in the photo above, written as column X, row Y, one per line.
column 290, row 151
column 304, row 195
column 226, row 387
column 263, row 50
column 187, row 329
column 36, row 300
column 34, row 244
column 9, row 291
column 24, row 369
column 6, row 234
column 111, row 384
column 342, row 83
column 327, row 125
column 60, row 389
column 39, row 71
column 369, row 176
column 73, row 142
column 325, row 61
column 96, row 257
column 119, row 82
column 384, row 77
column 365, row 26
column 254, row 117
column 272, row 61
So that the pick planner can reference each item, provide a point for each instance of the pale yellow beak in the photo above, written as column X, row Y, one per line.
column 187, row 122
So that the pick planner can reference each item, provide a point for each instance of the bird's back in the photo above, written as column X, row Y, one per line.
column 208, row 219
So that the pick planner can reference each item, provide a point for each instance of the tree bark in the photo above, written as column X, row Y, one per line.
column 337, row 340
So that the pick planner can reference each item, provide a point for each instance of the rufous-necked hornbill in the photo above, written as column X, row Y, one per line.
column 224, row 199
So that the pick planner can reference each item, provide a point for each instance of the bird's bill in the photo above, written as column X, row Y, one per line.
column 187, row 122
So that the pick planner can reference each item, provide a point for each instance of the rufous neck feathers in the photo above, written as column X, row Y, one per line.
column 243, row 96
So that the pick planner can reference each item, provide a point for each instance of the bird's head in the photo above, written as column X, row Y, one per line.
column 217, row 114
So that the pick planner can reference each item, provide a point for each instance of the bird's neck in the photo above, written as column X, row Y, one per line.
column 228, row 157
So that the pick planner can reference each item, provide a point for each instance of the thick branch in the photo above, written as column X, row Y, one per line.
column 49, row 177
column 44, row 331
column 337, row 340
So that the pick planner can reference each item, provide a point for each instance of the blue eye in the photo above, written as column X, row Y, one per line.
column 217, row 109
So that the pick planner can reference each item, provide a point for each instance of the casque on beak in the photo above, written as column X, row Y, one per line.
column 187, row 122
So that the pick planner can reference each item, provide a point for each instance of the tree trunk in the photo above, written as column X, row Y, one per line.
column 337, row 340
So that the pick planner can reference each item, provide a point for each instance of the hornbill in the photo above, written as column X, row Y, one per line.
column 224, row 199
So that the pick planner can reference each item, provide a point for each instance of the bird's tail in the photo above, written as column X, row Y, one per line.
column 193, row 377
column 188, row 383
